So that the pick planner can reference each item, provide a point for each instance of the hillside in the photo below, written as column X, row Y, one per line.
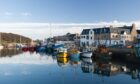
column 13, row 38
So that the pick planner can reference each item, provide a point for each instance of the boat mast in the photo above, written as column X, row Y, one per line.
column 0, row 38
column 50, row 31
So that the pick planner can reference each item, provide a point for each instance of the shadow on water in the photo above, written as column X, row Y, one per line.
column 10, row 52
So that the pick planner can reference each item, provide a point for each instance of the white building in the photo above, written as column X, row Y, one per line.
column 108, row 36
column 87, row 37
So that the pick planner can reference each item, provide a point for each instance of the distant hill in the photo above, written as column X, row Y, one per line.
column 14, row 38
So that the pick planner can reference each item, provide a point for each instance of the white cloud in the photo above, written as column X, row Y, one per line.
column 35, row 59
column 44, row 30
column 26, row 14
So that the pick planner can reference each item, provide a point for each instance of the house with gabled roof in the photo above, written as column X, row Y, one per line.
column 87, row 37
column 108, row 36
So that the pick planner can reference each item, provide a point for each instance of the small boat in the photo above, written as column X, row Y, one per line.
column 56, row 46
column 86, row 54
column 103, row 52
column 74, row 53
column 75, row 56
column 28, row 48
column 40, row 49
column 62, row 52
column 25, row 49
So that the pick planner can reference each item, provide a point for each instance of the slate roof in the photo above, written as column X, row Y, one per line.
column 85, row 31
column 126, row 27
column 101, row 30
column 119, row 30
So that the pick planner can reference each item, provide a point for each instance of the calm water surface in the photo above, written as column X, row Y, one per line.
column 17, row 67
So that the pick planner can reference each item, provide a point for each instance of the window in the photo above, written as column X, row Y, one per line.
column 91, row 32
column 113, row 36
column 87, row 43
column 87, row 37
column 91, row 38
column 116, row 36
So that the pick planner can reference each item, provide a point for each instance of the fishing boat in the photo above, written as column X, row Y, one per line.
column 102, row 52
column 74, row 53
column 28, row 48
column 57, row 46
column 62, row 52
column 86, row 54
column 40, row 49
column 75, row 56
column 25, row 49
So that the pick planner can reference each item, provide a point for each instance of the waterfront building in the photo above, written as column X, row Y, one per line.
column 68, row 38
column 108, row 36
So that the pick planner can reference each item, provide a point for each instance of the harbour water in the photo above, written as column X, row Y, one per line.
column 17, row 67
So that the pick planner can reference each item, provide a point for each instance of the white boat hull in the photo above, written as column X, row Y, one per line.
column 86, row 54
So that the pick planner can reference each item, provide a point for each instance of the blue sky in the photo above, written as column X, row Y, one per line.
column 32, row 18
column 69, row 11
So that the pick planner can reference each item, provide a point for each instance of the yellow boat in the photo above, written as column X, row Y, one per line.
column 62, row 54
column 63, row 60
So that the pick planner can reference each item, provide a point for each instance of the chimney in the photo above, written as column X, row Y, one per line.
column 133, row 25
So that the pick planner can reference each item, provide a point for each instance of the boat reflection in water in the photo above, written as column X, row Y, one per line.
column 52, row 69
column 74, row 57
column 116, row 67
column 62, row 61
column 106, row 68
column 87, row 65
